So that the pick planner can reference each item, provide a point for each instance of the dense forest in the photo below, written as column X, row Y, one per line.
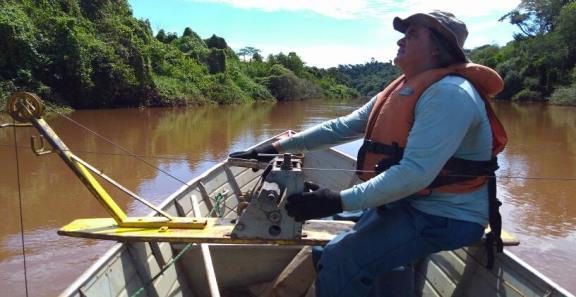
column 94, row 54
column 539, row 64
column 369, row 78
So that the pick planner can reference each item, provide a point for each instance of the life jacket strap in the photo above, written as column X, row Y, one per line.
column 394, row 151
column 493, row 238
column 458, row 170
column 455, row 170
column 381, row 148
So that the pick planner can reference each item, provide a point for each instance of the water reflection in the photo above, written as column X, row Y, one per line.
column 542, row 145
column 540, row 212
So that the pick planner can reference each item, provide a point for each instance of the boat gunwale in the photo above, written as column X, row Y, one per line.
column 555, row 286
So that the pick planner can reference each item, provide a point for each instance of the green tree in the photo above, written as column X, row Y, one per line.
column 253, row 52
column 243, row 52
column 284, row 84
column 566, row 27
column 161, row 36
column 369, row 78
column 171, row 36
column 564, row 95
column 248, row 51
column 216, row 42
column 188, row 32
column 536, row 17
column 216, row 61
column 487, row 55
column 291, row 61
column 271, row 59
column 257, row 57
column 19, row 46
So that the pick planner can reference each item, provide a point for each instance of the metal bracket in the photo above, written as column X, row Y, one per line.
column 41, row 149
column 265, row 216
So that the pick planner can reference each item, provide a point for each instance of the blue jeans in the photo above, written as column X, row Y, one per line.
column 358, row 262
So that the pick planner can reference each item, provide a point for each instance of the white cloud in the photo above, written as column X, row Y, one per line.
column 463, row 9
column 386, row 9
column 331, row 55
column 480, row 16
column 340, row 9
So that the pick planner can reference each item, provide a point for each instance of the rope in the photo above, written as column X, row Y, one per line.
column 170, row 263
column 21, row 211
column 218, row 200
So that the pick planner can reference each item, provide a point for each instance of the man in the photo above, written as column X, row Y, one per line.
column 430, row 141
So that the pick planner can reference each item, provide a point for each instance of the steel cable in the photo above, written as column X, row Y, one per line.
column 21, row 210
column 305, row 168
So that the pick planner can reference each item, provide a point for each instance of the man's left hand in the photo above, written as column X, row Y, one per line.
column 319, row 203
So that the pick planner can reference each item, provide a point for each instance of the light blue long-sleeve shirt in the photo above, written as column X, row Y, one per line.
column 449, row 120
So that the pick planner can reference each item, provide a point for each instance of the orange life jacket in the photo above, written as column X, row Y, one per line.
column 390, row 122
column 392, row 117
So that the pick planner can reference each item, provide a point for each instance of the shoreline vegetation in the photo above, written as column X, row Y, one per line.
column 95, row 54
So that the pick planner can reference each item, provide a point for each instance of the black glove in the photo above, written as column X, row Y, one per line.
column 253, row 153
column 317, row 204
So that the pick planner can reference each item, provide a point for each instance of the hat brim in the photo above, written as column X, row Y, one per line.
column 424, row 19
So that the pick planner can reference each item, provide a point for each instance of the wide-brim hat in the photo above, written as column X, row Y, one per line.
column 445, row 23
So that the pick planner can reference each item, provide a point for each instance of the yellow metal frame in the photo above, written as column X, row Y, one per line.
column 27, row 107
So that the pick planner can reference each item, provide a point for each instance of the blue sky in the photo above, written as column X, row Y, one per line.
column 324, row 33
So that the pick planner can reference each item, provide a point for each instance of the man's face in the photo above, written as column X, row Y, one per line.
column 415, row 49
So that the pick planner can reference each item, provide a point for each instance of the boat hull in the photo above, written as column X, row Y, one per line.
column 187, row 269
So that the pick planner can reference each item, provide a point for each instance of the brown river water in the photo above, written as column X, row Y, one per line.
column 538, row 184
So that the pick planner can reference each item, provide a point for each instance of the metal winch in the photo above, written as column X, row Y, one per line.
column 263, row 215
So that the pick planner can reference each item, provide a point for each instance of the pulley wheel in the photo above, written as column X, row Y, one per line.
column 23, row 106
